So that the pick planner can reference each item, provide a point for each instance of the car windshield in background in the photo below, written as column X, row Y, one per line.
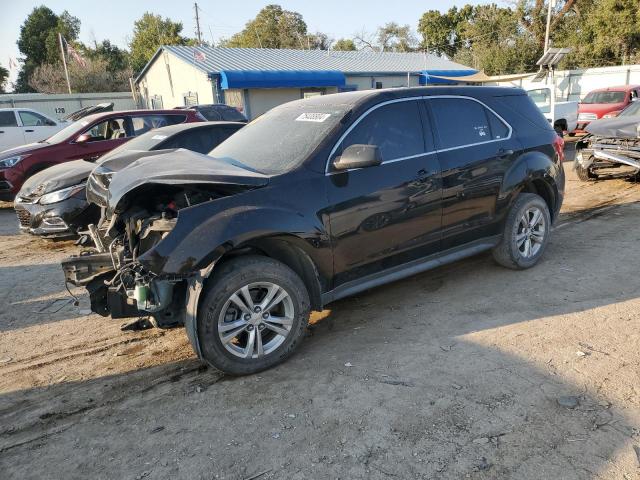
column 605, row 97
column 281, row 139
column 631, row 110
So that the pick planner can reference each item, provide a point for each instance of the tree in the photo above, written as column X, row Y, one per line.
column 275, row 27
column 38, row 40
column 4, row 76
column 149, row 33
column 95, row 76
column 344, row 44
column 390, row 37
column 116, row 58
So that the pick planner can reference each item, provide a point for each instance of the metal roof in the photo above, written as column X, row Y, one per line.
column 214, row 60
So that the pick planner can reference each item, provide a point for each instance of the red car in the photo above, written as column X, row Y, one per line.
column 605, row 103
column 88, row 138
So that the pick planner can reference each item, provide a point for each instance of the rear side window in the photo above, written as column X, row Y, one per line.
column 524, row 107
column 395, row 128
column 143, row 123
column 8, row 119
column 460, row 122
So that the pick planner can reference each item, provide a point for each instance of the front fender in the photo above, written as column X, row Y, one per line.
column 203, row 233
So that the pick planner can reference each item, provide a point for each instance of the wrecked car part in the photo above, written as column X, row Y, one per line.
column 616, row 158
column 97, row 241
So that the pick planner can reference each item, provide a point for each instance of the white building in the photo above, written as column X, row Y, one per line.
column 255, row 79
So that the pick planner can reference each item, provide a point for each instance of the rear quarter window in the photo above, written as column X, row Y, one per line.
column 144, row 123
column 523, row 108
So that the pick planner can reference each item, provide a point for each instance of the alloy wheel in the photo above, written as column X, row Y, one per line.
column 531, row 231
column 256, row 320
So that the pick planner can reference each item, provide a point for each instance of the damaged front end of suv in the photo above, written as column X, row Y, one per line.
column 612, row 147
column 126, row 273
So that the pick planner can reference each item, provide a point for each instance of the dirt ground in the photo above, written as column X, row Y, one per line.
column 468, row 371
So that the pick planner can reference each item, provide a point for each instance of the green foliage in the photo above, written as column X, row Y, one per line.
column 344, row 44
column 149, row 33
column 38, row 40
column 503, row 40
column 4, row 76
column 273, row 27
column 116, row 58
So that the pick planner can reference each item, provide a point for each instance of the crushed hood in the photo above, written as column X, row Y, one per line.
column 618, row 127
column 179, row 167
column 56, row 178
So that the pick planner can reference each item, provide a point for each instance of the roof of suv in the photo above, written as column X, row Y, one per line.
column 617, row 88
column 355, row 97
column 97, row 116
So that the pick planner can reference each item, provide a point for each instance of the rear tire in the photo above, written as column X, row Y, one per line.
column 253, row 315
column 526, row 233
column 585, row 175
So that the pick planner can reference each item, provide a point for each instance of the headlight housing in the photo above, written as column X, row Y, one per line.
column 11, row 161
column 60, row 195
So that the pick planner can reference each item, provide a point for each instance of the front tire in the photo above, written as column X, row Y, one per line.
column 526, row 233
column 253, row 315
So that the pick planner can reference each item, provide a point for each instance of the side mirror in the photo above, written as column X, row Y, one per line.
column 358, row 156
column 84, row 138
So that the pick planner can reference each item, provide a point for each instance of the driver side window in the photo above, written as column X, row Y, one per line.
column 111, row 129
column 395, row 128
column 33, row 119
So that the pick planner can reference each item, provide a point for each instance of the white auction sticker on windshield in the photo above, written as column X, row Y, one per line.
column 313, row 117
column 158, row 137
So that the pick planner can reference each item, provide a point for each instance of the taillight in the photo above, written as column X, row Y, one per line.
column 558, row 146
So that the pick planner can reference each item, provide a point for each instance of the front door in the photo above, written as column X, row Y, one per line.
column 475, row 149
column 389, row 214
column 104, row 136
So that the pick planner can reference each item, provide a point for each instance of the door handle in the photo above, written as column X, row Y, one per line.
column 504, row 152
column 1, row 131
column 29, row 131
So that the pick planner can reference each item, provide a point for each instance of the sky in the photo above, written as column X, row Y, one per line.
column 114, row 21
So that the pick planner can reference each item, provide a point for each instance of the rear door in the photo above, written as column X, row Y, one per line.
column 390, row 214
column 475, row 149
column 11, row 134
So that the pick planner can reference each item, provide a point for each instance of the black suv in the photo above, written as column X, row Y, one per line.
column 319, row 199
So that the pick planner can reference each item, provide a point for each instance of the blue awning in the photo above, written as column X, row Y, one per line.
column 281, row 78
column 429, row 77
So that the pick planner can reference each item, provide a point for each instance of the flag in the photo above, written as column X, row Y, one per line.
column 73, row 53
column 199, row 56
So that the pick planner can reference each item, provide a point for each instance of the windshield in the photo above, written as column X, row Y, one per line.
column 281, row 139
column 633, row 109
column 605, row 97
column 66, row 132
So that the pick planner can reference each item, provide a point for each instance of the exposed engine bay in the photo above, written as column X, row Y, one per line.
column 119, row 285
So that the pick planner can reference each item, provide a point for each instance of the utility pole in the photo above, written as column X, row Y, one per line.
column 552, row 3
column 198, row 34
column 64, row 62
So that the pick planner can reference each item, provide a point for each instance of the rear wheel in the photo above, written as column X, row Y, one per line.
column 253, row 315
column 526, row 233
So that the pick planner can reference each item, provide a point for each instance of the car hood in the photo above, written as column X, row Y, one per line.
column 179, row 167
column 28, row 148
column 55, row 178
column 618, row 127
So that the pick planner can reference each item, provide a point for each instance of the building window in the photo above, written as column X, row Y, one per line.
column 312, row 92
column 156, row 102
column 378, row 85
column 190, row 99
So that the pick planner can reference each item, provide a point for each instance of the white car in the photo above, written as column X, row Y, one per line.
column 19, row 126
column 564, row 117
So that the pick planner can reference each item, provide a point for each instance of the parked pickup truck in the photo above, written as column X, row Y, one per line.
column 563, row 116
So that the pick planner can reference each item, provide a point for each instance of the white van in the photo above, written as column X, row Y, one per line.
column 19, row 126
